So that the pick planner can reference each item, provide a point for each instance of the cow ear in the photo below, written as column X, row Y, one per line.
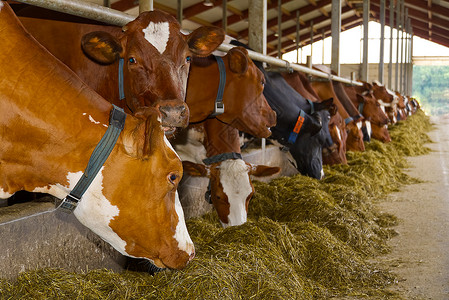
column 262, row 171
column 147, row 135
column 194, row 169
column 101, row 47
column 205, row 39
column 238, row 60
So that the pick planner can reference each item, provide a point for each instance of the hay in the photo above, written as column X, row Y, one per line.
column 304, row 239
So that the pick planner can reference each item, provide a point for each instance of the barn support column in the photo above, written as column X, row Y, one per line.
column 224, row 21
column 390, row 63
column 322, row 39
column 411, row 62
column 279, row 29
column 401, row 71
column 298, row 60
column 398, row 18
column 257, row 27
column 145, row 5
column 405, row 65
column 311, row 38
column 179, row 12
column 335, row 32
column 364, row 72
column 257, row 35
column 382, row 41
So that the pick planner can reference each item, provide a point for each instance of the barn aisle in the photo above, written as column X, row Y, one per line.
column 420, row 253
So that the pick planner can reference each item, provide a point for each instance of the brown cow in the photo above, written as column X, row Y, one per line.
column 387, row 99
column 51, row 122
column 230, row 183
column 370, row 108
column 245, row 106
column 354, row 141
column 156, row 57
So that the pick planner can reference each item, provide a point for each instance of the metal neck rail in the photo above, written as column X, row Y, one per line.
column 115, row 17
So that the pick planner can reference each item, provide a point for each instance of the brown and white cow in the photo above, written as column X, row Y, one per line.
column 245, row 106
column 387, row 99
column 156, row 57
column 229, row 175
column 50, row 123
column 370, row 108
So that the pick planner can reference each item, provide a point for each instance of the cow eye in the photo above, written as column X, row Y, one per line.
column 172, row 177
column 188, row 59
column 132, row 60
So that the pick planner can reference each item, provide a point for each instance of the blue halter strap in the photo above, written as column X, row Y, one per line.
column 97, row 159
column 121, row 89
column 312, row 106
column 361, row 106
column 219, row 105
column 348, row 120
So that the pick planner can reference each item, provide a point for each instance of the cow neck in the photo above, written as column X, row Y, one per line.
column 345, row 101
column 96, row 160
column 218, row 104
column 220, row 138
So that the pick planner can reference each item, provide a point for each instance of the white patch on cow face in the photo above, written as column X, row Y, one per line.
column 157, row 34
column 236, row 184
column 359, row 124
column 3, row 194
column 338, row 132
column 1, row 5
column 167, row 142
column 368, row 128
column 181, row 234
column 93, row 211
column 93, row 120
column 322, row 173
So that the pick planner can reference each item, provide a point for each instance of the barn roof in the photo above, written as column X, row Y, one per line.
column 429, row 18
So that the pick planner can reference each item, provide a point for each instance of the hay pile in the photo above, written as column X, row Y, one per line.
column 305, row 239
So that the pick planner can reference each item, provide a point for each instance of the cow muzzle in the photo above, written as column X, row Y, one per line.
column 174, row 116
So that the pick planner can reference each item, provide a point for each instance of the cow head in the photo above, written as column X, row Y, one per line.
column 372, row 110
column 336, row 154
column 230, row 186
column 245, row 106
column 354, row 142
column 156, row 61
column 134, row 206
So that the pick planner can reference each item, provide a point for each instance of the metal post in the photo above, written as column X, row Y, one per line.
column 335, row 32
column 85, row 10
column 145, row 5
column 322, row 39
column 398, row 18
column 106, row 3
column 390, row 63
column 224, row 21
column 401, row 66
column 404, row 88
column 279, row 28
column 311, row 39
column 411, row 61
column 297, row 37
column 366, row 6
column 382, row 41
column 179, row 12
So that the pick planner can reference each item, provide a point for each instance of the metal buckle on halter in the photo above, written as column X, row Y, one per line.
column 219, row 108
column 69, row 203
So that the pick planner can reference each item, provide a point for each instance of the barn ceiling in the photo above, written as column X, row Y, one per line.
column 429, row 18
